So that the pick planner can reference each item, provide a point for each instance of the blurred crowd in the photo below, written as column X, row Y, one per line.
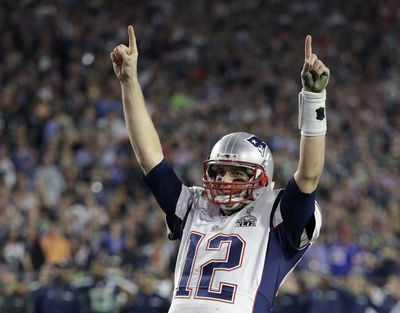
column 79, row 230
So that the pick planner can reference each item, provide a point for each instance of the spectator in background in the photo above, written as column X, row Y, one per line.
column 114, row 239
column 15, row 297
column 391, row 302
column 147, row 300
column 56, row 247
column 326, row 297
column 131, row 256
column 343, row 251
column 34, row 257
column 50, row 182
column 291, row 298
column 58, row 295
column 107, row 292
column 56, row 86
column 14, row 250
column 7, row 168
column 23, row 155
column 25, row 198
column 360, row 294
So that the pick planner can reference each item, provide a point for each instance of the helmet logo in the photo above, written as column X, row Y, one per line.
column 259, row 144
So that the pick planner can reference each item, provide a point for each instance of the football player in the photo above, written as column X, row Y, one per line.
column 239, row 237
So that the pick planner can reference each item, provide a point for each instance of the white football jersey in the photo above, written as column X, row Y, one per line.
column 235, row 263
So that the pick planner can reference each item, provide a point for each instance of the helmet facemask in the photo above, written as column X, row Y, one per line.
column 247, row 152
column 233, row 195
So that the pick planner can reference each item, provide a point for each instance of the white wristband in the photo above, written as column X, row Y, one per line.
column 312, row 115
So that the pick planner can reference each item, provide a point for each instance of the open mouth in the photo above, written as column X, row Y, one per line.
column 227, row 192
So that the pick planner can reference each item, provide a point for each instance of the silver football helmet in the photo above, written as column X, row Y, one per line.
column 248, row 152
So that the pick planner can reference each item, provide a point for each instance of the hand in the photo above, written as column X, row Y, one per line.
column 315, row 75
column 124, row 58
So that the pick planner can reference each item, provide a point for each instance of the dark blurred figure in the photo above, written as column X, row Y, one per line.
column 114, row 239
column 147, row 300
column 391, row 302
column 291, row 298
column 360, row 293
column 342, row 252
column 58, row 295
column 326, row 297
column 13, row 250
column 103, row 292
column 34, row 257
column 14, row 295
column 131, row 253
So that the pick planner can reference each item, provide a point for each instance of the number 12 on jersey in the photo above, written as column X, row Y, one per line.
column 230, row 261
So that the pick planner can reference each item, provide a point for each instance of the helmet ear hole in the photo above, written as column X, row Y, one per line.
column 212, row 171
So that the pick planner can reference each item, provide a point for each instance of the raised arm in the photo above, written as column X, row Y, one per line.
column 142, row 133
column 312, row 120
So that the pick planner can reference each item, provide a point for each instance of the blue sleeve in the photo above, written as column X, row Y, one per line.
column 297, row 209
column 165, row 185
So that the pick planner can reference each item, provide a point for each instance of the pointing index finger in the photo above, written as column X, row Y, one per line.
column 307, row 47
column 132, row 43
